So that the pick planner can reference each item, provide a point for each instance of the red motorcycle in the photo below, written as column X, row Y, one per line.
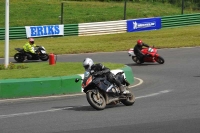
column 151, row 55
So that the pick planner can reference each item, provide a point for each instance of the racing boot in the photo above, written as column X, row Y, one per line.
column 123, row 89
column 25, row 58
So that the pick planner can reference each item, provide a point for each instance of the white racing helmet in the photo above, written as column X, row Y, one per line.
column 87, row 63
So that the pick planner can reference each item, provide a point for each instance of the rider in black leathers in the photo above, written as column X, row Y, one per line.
column 138, row 48
column 100, row 69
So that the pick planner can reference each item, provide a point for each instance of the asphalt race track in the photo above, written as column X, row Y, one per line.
column 167, row 101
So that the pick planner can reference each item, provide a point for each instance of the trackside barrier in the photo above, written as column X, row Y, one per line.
column 108, row 27
column 20, row 32
column 143, row 24
column 180, row 20
column 33, row 87
column 16, row 88
column 129, row 74
column 15, row 33
column 100, row 28
column 71, row 30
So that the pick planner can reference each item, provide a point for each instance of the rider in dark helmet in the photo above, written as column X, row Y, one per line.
column 138, row 48
column 100, row 69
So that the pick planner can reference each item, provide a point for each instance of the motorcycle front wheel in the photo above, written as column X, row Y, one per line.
column 44, row 57
column 96, row 100
column 160, row 60
column 130, row 100
column 19, row 57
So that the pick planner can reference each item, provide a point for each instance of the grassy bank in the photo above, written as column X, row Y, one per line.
column 43, row 12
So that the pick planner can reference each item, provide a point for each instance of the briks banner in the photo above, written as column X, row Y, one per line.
column 143, row 24
column 46, row 30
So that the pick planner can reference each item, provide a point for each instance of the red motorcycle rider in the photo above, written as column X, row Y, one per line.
column 137, row 50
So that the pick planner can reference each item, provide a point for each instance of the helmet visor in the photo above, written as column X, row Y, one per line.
column 86, row 67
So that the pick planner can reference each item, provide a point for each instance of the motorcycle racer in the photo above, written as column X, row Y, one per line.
column 29, row 48
column 137, row 50
column 99, row 69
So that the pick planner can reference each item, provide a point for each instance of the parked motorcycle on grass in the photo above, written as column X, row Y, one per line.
column 151, row 55
column 40, row 54
column 100, row 92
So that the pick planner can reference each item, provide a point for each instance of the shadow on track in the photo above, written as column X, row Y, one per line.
column 29, row 61
column 197, row 76
column 86, row 108
column 133, row 64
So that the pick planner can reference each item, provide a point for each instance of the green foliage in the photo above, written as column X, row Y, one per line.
column 2, row 67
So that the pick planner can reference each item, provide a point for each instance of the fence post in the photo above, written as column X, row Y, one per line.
column 125, row 9
column 182, row 6
column 61, row 21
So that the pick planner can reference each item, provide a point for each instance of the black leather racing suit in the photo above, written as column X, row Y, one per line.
column 138, row 53
column 101, row 69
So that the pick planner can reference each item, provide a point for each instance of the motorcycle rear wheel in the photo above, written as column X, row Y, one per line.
column 98, row 104
column 19, row 57
column 44, row 57
column 129, row 101
column 160, row 60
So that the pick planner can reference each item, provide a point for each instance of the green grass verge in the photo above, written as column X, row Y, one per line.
column 43, row 69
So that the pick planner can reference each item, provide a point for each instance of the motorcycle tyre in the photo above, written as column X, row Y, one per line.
column 18, row 57
column 93, row 103
column 129, row 101
column 160, row 60
column 44, row 57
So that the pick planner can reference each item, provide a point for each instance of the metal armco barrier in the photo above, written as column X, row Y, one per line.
column 109, row 27
column 101, row 28
column 34, row 87
column 15, row 33
column 180, row 20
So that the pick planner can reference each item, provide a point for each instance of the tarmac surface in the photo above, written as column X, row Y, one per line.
column 167, row 100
